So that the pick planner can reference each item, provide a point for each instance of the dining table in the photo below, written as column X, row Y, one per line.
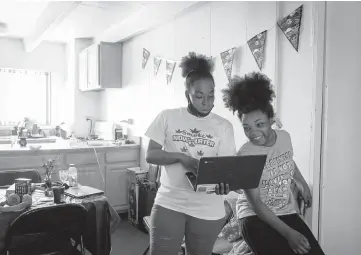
column 102, row 219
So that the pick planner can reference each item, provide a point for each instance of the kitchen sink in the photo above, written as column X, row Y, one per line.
column 99, row 143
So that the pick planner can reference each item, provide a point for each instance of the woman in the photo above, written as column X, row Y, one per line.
column 178, row 139
column 267, row 215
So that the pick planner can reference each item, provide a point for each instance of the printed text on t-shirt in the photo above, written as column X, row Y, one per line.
column 278, row 175
column 193, row 137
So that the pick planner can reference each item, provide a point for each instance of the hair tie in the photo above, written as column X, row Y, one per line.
column 191, row 71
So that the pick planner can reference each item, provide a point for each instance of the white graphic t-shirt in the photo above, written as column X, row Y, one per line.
column 179, row 131
column 275, row 190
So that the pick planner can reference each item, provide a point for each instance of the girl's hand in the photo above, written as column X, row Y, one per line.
column 188, row 162
column 298, row 242
column 307, row 196
column 222, row 189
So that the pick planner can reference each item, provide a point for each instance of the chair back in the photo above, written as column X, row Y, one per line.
column 68, row 219
column 8, row 177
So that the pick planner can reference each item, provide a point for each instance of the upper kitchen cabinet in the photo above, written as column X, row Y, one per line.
column 99, row 67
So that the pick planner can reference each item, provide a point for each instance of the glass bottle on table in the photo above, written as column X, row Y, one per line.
column 73, row 176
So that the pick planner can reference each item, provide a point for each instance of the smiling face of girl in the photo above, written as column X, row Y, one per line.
column 257, row 127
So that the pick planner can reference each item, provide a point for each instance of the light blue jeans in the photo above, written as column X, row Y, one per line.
column 168, row 228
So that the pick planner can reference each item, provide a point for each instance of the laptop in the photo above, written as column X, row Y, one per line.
column 240, row 172
column 82, row 192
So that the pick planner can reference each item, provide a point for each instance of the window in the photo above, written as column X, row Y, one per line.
column 24, row 93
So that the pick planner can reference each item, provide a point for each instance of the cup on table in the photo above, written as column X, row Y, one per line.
column 58, row 194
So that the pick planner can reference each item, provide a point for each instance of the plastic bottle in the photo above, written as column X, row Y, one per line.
column 73, row 176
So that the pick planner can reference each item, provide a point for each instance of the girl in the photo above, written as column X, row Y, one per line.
column 178, row 139
column 268, row 219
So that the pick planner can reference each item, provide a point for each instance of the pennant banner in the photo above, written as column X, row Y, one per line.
column 157, row 62
column 170, row 65
column 227, row 60
column 146, row 55
column 257, row 45
column 291, row 25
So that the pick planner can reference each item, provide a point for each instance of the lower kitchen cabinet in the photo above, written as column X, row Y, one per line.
column 116, row 189
column 113, row 165
column 91, row 176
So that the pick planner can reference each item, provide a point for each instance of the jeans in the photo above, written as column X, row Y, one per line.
column 168, row 228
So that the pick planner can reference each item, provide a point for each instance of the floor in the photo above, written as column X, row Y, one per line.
column 127, row 240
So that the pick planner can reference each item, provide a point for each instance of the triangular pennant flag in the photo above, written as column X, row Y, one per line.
column 146, row 55
column 157, row 62
column 257, row 45
column 291, row 25
column 170, row 65
column 227, row 60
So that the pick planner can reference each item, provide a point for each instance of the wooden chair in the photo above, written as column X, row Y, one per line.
column 7, row 177
column 47, row 230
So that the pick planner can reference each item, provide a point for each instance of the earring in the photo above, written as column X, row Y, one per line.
column 277, row 122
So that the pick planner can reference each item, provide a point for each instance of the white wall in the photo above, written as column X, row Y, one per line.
column 209, row 29
column 296, row 86
column 85, row 104
column 340, row 194
column 47, row 57
column 296, row 83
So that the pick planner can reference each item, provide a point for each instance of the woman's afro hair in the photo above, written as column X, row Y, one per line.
column 249, row 93
column 196, row 62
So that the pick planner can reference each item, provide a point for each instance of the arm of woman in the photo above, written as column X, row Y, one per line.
column 157, row 156
column 156, row 132
column 306, row 192
column 297, row 241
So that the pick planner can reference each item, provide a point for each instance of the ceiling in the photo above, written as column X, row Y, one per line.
column 20, row 17
column 88, row 19
column 110, row 21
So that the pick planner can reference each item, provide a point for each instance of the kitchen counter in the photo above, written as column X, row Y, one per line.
column 102, row 167
column 53, row 149
column 60, row 146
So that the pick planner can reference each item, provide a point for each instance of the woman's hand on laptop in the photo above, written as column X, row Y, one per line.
column 222, row 189
column 188, row 162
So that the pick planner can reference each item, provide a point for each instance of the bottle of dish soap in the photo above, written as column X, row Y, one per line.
column 73, row 176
